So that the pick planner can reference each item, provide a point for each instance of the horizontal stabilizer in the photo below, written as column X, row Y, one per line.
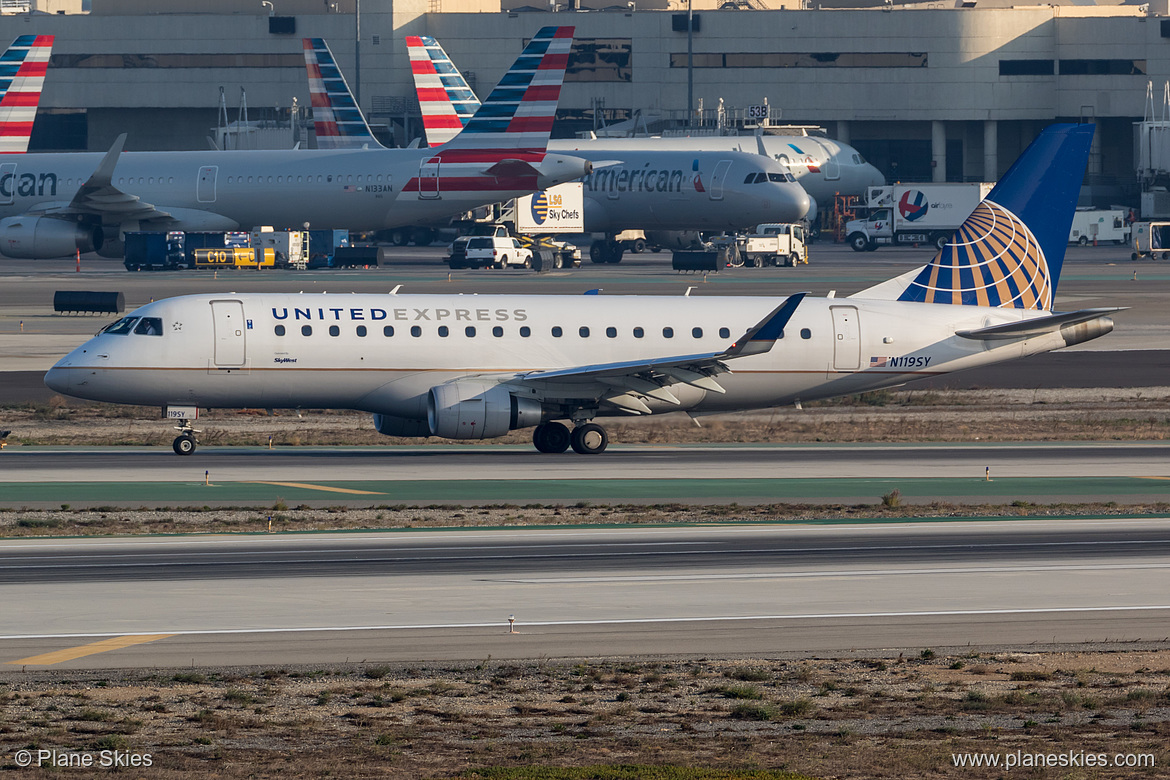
column 1037, row 326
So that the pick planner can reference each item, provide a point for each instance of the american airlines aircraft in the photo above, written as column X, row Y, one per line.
column 56, row 204
column 678, row 192
column 478, row 366
column 22, row 75
column 823, row 167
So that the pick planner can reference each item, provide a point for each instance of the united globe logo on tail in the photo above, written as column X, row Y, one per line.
column 993, row 260
column 913, row 205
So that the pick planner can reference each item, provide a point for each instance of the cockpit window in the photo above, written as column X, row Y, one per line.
column 149, row 326
column 121, row 327
column 779, row 177
column 751, row 177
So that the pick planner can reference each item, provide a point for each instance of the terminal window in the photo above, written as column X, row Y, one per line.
column 803, row 60
column 1102, row 67
column 1026, row 67
column 600, row 59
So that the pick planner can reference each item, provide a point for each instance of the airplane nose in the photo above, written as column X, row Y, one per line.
column 874, row 176
column 55, row 379
column 796, row 203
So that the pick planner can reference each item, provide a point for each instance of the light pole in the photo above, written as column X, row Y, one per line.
column 690, row 65
column 357, row 53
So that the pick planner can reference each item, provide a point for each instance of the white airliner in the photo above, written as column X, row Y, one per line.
column 823, row 167
column 478, row 366
column 661, row 192
column 56, row 204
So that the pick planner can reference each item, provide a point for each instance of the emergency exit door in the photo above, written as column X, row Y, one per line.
column 205, row 184
column 846, row 338
column 428, row 179
column 718, row 178
column 230, row 329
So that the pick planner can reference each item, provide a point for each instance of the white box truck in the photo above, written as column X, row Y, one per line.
column 903, row 214
column 1094, row 226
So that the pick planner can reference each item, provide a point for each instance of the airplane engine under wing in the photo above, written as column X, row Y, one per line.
column 389, row 425
column 478, row 409
column 42, row 238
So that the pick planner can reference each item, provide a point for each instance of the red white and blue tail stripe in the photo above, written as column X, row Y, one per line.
column 22, row 76
column 518, row 114
column 337, row 119
column 445, row 98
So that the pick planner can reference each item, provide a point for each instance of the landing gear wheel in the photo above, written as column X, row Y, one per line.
column 589, row 439
column 183, row 445
column 551, row 437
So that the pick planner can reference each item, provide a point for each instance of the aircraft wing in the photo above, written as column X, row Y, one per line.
column 100, row 197
column 623, row 384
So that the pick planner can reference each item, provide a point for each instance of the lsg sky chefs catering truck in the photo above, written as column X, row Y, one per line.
column 903, row 214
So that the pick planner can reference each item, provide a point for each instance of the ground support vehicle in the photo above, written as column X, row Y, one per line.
column 548, row 254
column 291, row 247
column 774, row 244
column 323, row 244
column 1093, row 226
column 457, row 251
column 912, row 214
column 235, row 257
column 495, row 252
column 147, row 251
column 1152, row 240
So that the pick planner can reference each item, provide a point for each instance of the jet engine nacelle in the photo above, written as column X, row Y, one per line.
column 43, row 238
column 388, row 425
column 675, row 239
column 557, row 168
column 475, row 409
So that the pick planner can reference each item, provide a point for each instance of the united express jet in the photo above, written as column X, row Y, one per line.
column 647, row 188
column 56, row 204
column 478, row 366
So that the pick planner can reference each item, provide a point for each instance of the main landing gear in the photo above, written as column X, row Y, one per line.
column 586, row 439
column 184, row 443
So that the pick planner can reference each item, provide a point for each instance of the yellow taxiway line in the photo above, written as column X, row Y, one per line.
column 317, row 487
column 104, row 646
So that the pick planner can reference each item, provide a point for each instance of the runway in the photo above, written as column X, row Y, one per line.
column 726, row 590
column 372, row 476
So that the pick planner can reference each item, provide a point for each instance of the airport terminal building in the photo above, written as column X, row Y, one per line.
column 946, row 91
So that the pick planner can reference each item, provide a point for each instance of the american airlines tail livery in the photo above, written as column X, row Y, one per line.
column 55, row 204
column 478, row 366
column 669, row 194
column 22, row 75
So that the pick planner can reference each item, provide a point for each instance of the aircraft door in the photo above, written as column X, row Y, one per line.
column 846, row 338
column 205, row 184
column 831, row 166
column 7, row 183
column 428, row 179
column 229, row 329
column 718, row 178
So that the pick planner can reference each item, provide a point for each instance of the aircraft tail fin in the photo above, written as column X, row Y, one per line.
column 22, row 76
column 337, row 118
column 518, row 115
column 444, row 96
column 1009, row 252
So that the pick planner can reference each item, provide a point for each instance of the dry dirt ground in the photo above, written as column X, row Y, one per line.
column 883, row 416
column 866, row 717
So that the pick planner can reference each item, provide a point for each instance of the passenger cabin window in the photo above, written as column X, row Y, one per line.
column 697, row 333
column 361, row 330
column 121, row 327
column 306, row 330
column 279, row 330
column 388, row 331
column 611, row 332
column 639, row 333
column 724, row 333
column 444, row 331
column 557, row 332
column 525, row 331
column 805, row 333
column 415, row 331
column 497, row 331
column 668, row 333
column 583, row 331
column 334, row 330
column 469, row 331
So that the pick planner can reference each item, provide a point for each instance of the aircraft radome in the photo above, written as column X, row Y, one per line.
column 476, row 367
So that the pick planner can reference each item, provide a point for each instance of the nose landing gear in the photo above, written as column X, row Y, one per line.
column 184, row 443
